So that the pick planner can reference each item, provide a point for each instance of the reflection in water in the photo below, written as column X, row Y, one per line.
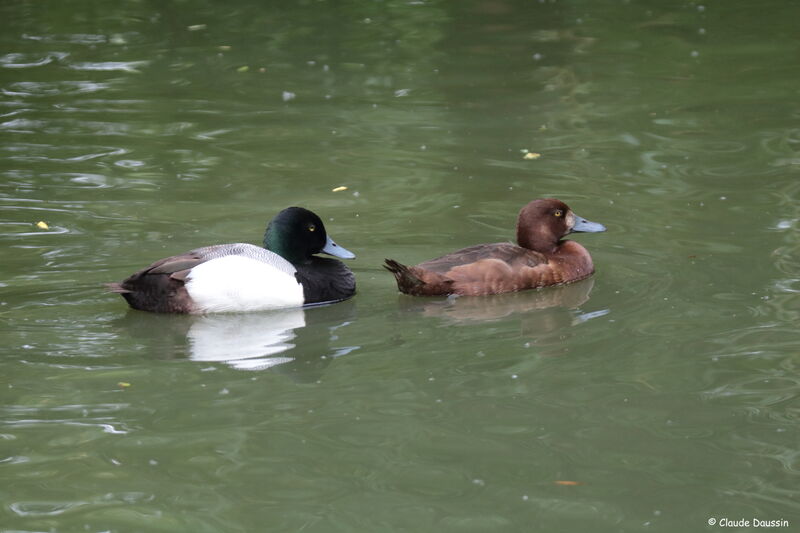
column 542, row 317
column 245, row 341
column 298, row 339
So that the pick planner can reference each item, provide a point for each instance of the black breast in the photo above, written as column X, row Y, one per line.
column 325, row 280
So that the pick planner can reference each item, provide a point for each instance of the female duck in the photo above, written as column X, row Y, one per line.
column 243, row 277
column 540, row 260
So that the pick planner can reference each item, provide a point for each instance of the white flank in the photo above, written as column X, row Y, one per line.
column 236, row 283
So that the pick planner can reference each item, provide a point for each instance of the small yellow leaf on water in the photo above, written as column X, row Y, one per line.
column 532, row 155
column 339, row 189
column 124, row 384
column 568, row 483
column 243, row 68
column 42, row 225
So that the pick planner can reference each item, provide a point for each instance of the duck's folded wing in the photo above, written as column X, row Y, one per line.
column 249, row 251
column 504, row 251
column 178, row 266
column 175, row 264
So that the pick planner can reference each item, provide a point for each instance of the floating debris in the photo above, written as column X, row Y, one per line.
column 124, row 384
column 339, row 189
column 243, row 68
column 532, row 155
column 42, row 225
column 567, row 483
column 196, row 27
column 224, row 48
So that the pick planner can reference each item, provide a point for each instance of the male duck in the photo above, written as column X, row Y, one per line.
column 540, row 260
column 243, row 277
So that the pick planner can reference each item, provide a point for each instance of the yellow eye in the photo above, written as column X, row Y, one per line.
column 311, row 227
column 558, row 212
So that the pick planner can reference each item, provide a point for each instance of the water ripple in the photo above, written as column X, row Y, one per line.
column 17, row 60
column 53, row 88
column 71, row 38
column 39, row 509
column 110, row 66
column 52, row 230
column 106, row 427
column 38, row 153
column 759, row 390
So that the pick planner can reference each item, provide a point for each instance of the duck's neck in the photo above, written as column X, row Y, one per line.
column 274, row 242
column 538, row 241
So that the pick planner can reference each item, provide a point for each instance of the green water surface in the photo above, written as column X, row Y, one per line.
column 660, row 395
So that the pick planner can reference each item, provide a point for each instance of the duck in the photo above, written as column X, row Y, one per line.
column 242, row 277
column 540, row 258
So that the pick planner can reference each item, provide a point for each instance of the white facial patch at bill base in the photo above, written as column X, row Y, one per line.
column 570, row 220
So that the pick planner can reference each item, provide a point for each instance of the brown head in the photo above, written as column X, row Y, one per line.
column 544, row 222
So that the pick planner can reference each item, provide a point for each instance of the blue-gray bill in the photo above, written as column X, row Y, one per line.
column 584, row 226
column 331, row 248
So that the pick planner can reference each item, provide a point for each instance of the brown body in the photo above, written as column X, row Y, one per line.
column 540, row 259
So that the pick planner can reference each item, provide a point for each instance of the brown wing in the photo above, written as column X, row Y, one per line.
column 507, row 252
column 160, row 286
column 176, row 263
